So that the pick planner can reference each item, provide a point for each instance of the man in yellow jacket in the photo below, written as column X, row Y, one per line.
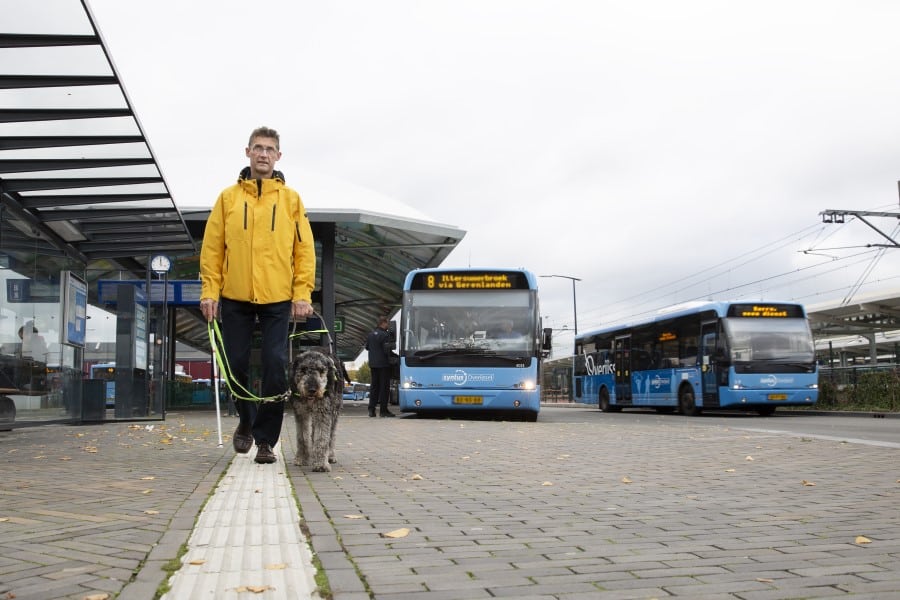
column 258, row 263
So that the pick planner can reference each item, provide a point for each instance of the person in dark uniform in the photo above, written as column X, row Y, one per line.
column 379, row 346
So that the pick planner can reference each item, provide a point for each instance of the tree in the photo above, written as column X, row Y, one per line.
column 364, row 374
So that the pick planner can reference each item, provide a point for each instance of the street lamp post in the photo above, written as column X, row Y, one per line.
column 574, row 303
column 575, row 319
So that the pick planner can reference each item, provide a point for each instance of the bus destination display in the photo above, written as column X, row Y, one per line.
column 766, row 311
column 469, row 280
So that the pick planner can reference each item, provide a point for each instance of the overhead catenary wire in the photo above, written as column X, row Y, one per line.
column 648, row 302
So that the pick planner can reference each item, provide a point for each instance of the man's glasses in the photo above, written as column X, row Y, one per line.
column 267, row 150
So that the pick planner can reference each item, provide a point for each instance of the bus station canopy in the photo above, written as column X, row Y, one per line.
column 869, row 326
column 79, row 180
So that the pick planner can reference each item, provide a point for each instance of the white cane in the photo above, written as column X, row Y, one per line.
column 216, row 385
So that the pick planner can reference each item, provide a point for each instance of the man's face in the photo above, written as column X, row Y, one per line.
column 263, row 154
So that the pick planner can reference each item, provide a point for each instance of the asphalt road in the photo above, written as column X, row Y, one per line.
column 860, row 428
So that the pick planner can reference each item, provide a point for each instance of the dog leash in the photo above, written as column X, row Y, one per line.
column 237, row 390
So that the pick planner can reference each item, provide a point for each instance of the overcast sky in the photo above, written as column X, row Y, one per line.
column 660, row 151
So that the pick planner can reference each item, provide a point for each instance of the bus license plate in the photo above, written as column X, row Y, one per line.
column 777, row 396
column 467, row 400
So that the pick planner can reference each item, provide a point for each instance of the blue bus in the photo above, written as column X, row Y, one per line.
column 471, row 340
column 718, row 355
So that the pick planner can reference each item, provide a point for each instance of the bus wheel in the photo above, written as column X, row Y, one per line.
column 686, row 402
column 604, row 402
column 766, row 410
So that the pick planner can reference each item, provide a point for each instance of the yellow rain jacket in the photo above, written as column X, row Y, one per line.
column 258, row 246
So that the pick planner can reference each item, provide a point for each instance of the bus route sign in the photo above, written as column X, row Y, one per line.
column 469, row 280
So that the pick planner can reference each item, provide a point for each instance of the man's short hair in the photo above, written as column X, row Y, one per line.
column 383, row 320
column 265, row 132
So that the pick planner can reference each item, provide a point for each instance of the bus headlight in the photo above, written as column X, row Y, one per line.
column 525, row 385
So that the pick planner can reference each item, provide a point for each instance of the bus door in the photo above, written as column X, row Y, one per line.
column 708, row 364
column 622, row 358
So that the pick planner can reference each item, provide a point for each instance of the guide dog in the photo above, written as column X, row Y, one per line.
column 316, row 387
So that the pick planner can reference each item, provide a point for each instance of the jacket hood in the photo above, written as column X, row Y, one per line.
column 245, row 175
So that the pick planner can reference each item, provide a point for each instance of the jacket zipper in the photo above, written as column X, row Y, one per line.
column 274, row 206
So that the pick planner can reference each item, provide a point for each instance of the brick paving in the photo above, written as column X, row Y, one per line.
column 587, row 505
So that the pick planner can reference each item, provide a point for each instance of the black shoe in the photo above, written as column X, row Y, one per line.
column 387, row 413
column 264, row 454
column 242, row 440
column 371, row 412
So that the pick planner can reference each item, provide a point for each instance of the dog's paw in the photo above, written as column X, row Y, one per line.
column 332, row 459
column 326, row 468
column 298, row 461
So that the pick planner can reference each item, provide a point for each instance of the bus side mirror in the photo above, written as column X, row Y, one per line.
column 547, row 341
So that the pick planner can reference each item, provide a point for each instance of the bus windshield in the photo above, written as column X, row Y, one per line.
column 471, row 321
column 778, row 340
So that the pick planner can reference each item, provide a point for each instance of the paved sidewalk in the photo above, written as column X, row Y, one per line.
column 578, row 505
column 102, row 508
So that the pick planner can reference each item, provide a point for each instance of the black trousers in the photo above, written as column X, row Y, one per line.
column 380, row 389
column 238, row 326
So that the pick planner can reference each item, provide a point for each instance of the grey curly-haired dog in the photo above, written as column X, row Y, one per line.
column 316, row 393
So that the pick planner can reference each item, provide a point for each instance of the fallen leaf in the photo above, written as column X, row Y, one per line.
column 147, row 492
column 91, row 449
column 256, row 589
column 808, row 483
column 148, row 478
column 65, row 458
column 861, row 539
column 765, row 580
column 354, row 517
column 730, row 470
column 4, row 519
column 626, row 480
column 749, row 458
column 197, row 561
column 416, row 477
column 151, row 512
column 102, row 596
column 547, row 483
column 276, row 567
column 397, row 533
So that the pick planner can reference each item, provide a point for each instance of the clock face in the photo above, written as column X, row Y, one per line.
column 160, row 263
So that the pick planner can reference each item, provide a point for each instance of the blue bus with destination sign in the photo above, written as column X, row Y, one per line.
column 709, row 355
column 471, row 341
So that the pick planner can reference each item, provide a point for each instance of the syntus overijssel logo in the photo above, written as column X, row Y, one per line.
column 460, row 377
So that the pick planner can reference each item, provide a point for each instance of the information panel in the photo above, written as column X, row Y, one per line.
column 74, row 307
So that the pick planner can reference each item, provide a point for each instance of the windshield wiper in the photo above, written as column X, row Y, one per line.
column 467, row 352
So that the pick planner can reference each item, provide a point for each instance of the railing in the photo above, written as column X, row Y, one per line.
column 842, row 376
